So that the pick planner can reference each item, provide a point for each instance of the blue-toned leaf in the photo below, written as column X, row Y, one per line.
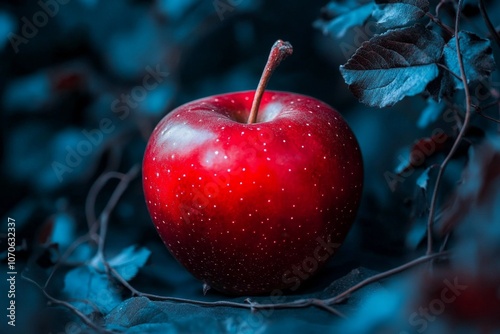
column 62, row 230
column 342, row 17
column 416, row 233
column 158, row 99
column 140, row 315
column 175, row 10
column 441, row 87
column 92, row 285
column 423, row 179
column 393, row 65
column 404, row 161
column 7, row 26
column 398, row 13
column 128, row 262
column 477, row 57
column 29, row 93
column 90, row 290
column 383, row 311
column 474, row 213
column 431, row 113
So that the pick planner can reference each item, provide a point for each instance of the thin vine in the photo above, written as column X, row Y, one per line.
column 444, row 164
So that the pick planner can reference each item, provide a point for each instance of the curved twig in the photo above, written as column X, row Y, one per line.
column 432, row 209
column 86, row 320
column 439, row 23
column 125, row 179
column 375, row 278
column 487, row 21
column 324, row 304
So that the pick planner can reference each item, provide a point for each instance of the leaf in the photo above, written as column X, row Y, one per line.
column 383, row 311
column 416, row 233
column 479, row 187
column 423, row 179
column 431, row 113
column 128, row 262
column 59, row 229
column 90, row 290
column 397, row 13
column 477, row 57
column 393, row 65
column 140, row 315
column 342, row 17
column 441, row 87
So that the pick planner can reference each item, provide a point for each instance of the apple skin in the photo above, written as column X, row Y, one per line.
column 252, row 208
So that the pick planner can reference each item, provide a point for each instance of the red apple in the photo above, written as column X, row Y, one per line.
column 249, row 204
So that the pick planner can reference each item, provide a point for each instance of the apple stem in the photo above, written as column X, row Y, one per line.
column 279, row 51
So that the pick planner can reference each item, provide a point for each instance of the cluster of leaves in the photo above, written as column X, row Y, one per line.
column 406, row 60
column 415, row 52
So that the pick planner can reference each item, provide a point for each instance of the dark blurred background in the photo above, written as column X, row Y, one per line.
column 64, row 66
